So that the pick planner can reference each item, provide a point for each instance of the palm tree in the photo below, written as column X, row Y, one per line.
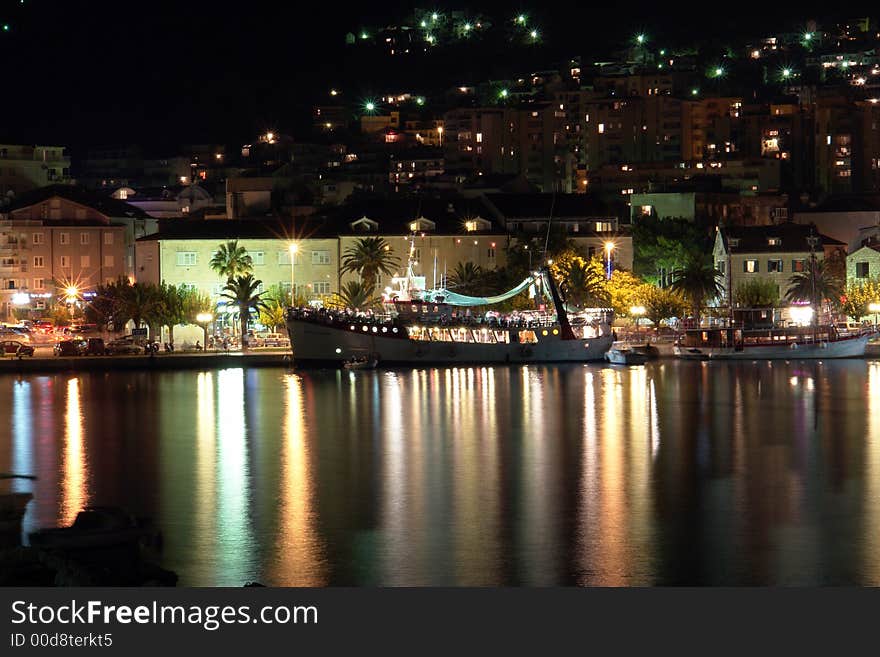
column 356, row 295
column 815, row 284
column 242, row 291
column 696, row 280
column 466, row 278
column 140, row 303
column 369, row 257
column 581, row 283
column 231, row 260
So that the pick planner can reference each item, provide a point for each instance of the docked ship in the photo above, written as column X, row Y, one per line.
column 437, row 327
column 753, row 341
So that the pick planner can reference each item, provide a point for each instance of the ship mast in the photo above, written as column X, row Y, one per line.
column 565, row 329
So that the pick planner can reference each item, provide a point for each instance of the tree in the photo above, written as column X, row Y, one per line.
column 369, row 257
column 665, row 244
column 171, row 309
column 696, row 280
column 197, row 303
column 272, row 313
column 356, row 295
column 581, row 284
column 816, row 284
column 242, row 291
column 757, row 293
column 661, row 303
column 231, row 260
column 858, row 296
column 467, row 278
column 623, row 290
column 138, row 302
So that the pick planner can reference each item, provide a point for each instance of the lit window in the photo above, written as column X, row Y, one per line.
column 479, row 137
column 601, row 128
column 186, row 258
column 750, row 266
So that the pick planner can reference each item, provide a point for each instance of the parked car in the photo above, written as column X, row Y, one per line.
column 269, row 340
column 71, row 348
column 95, row 347
column 16, row 348
column 120, row 346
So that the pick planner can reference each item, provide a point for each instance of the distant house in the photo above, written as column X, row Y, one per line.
column 863, row 263
column 771, row 253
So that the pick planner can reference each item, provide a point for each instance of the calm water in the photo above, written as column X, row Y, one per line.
column 672, row 473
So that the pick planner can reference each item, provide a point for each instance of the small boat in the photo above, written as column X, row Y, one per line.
column 361, row 363
column 625, row 357
column 96, row 527
column 649, row 350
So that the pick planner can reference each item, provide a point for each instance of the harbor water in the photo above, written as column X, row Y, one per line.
column 748, row 473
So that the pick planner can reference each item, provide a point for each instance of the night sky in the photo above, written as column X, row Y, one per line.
column 162, row 74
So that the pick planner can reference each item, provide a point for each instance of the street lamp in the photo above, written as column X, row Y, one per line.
column 874, row 308
column 440, row 134
column 204, row 319
column 294, row 248
column 609, row 247
column 637, row 312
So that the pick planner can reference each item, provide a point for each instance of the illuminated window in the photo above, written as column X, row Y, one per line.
column 479, row 137
column 108, row 239
column 109, row 261
column 83, row 238
column 65, row 261
column 601, row 128
column 750, row 266
column 186, row 258
column 774, row 241
column 85, row 261
column 320, row 257
column 64, row 238
column 321, row 287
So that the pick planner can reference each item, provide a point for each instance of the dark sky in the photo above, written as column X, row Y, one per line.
column 164, row 73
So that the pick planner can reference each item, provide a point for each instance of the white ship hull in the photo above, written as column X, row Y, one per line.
column 844, row 348
column 316, row 343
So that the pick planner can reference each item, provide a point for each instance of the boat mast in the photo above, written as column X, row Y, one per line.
column 564, row 326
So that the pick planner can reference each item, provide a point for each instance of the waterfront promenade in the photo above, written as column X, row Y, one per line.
column 162, row 361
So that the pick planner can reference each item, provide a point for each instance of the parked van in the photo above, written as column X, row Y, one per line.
column 271, row 340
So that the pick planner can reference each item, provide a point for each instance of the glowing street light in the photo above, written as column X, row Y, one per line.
column 204, row 319
column 333, row 92
column 370, row 106
column 504, row 93
column 694, row 91
column 440, row 134
column 534, row 35
column 467, row 27
column 718, row 71
column 609, row 247
column 420, row 100
column 294, row 249
column 637, row 312
column 435, row 16
column 808, row 36
column 786, row 73
column 71, row 293
column 521, row 19
column 640, row 39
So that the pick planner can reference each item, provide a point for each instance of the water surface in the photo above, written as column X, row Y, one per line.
column 670, row 473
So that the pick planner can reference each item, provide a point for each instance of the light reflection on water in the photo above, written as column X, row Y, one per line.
column 670, row 473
